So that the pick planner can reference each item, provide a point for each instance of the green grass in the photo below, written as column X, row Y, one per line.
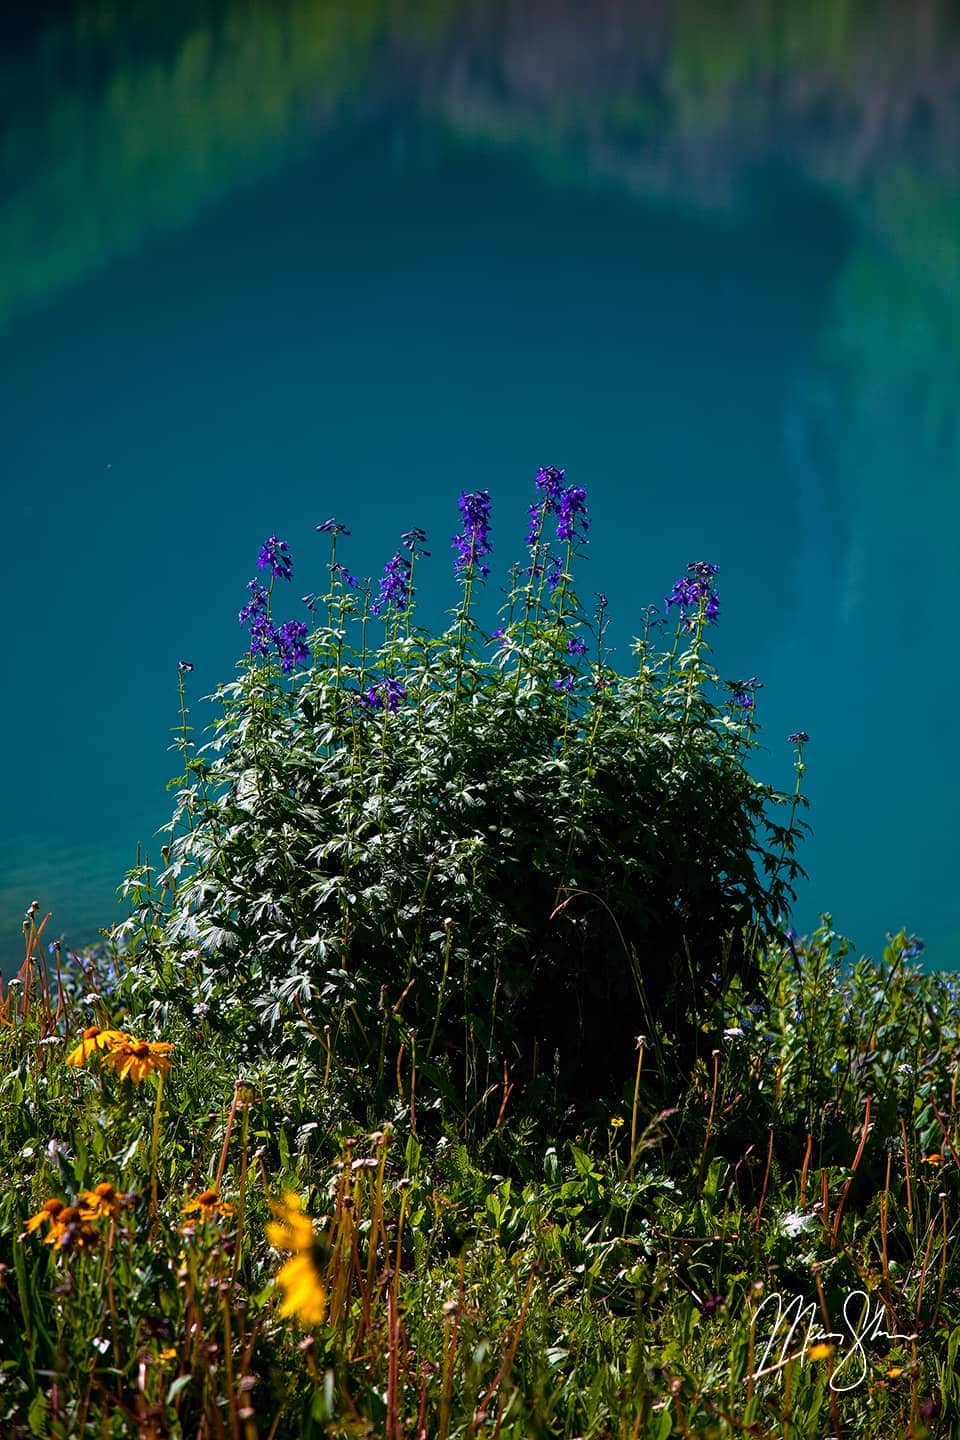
column 605, row 1279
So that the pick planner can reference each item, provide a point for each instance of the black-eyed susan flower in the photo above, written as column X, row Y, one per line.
column 136, row 1059
column 207, row 1206
column 102, row 1202
column 69, row 1231
column 46, row 1215
column 300, row 1279
column 93, row 1041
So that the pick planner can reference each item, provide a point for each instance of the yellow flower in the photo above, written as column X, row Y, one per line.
column 207, row 1205
column 305, row 1293
column 69, row 1231
column 136, row 1059
column 615, row 1122
column 820, row 1352
column 894, row 1371
column 169, row 1353
column 300, row 1279
column 935, row 1159
column 101, row 1202
column 94, row 1039
column 291, row 1229
column 47, row 1213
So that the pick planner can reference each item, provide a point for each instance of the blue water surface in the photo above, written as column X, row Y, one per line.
column 361, row 313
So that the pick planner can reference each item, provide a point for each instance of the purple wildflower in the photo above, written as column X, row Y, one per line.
column 691, row 589
column 395, row 585
column 550, row 482
column 474, row 543
column 555, row 572
column 395, row 692
column 291, row 644
column 333, row 527
column 799, row 737
column 571, row 505
column 388, row 693
column 565, row 683
column 743, row 696
column 262, row 636
column 576, row 646
column 257, row 605
column 276, row 556
column 344, row 574
column 412, row 539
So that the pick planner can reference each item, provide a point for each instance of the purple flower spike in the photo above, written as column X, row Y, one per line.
column 565, row 683
column 691, row 589
column 555, row 572
column 474, row 543
column 576, row 647
column 291, row 643
column 571, row 506
column 395, row 585
column 550, row 482
column 262, row 636
column 257, row 605
column 333, row 527
column 275, row 556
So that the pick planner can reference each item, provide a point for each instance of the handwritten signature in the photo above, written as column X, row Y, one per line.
column 795, row 1329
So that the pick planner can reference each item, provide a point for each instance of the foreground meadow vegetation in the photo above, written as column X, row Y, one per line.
column 456, row 1075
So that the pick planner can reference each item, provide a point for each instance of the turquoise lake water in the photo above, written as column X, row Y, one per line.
column 264, row 264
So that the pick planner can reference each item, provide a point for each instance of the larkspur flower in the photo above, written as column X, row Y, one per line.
column 565, row 683
column 554, row 572
column 345, row 576
column 474, row 543
column 262, row 636
column 692, row 589
column 388, row 693
column 799, row 737
column 275, row 556
column 333, row 527
column 549, row 482
column 257, row 604
column 291, row 641
column 300, row 1279
column 571, row 507
column 742, row 696
column 576, row 646
column 413, row 540
column 395, row 585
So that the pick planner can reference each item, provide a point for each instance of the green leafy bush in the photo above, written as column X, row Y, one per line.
column 490, row 859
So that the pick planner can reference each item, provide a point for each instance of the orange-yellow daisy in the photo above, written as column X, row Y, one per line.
column 207, row 1206
column 69, row 1230
column 47, row 1213
column 101, row 1202
column 93, row 1040
column 300, row 1279
column 820, row 1352
column 136, row 1059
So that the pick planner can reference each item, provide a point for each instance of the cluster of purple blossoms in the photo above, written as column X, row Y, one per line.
column 691, row 589
column 275, row 556
column 576, row 646
column 332, row 527
column 743, row 697
column 554, row 572
column 290, row 640
column 387, row 694
column 474, row 543
column 395, row 585
column 565, row 683
column 567, row 502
